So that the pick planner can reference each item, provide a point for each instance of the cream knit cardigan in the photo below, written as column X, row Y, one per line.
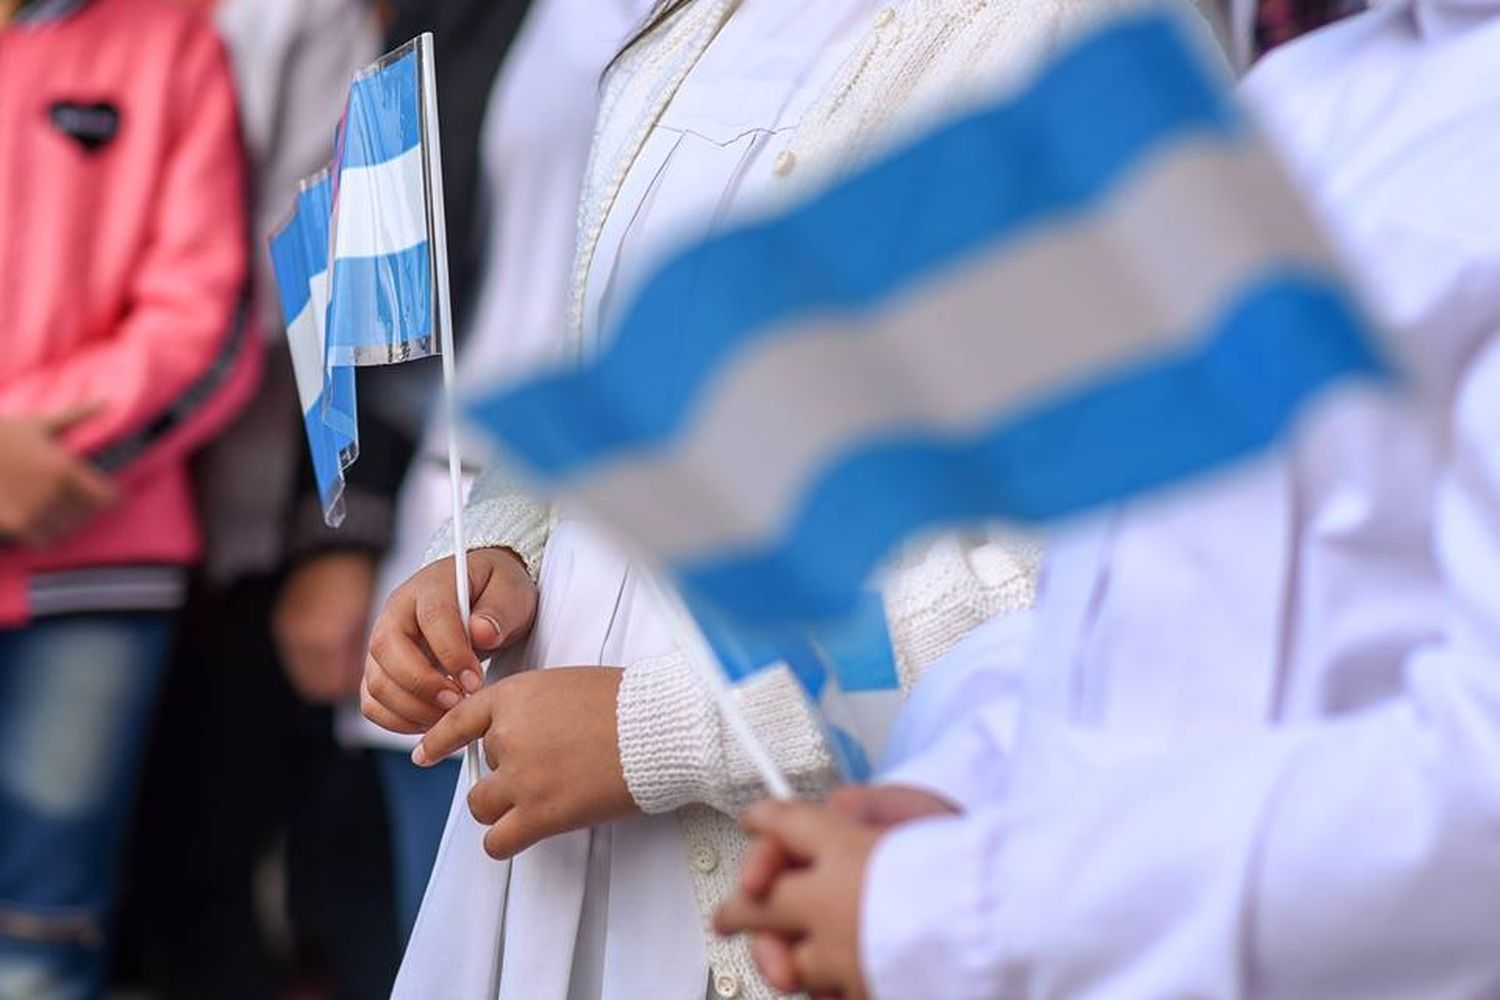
column 918, row 57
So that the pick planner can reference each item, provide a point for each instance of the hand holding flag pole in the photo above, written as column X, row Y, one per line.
column 433, row 165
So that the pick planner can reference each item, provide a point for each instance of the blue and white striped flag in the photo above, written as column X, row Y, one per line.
column 1076, row 292
column 299, row 258
column 363, row 233
column 1072, row 294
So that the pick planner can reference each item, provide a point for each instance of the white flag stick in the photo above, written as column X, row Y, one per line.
column 434, row 168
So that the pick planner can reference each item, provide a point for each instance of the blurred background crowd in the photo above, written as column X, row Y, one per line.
column 173, row 609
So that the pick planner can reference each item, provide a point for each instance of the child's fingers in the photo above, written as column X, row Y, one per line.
column 815, row 973
column 461, row 726
column 801, row 827
column 441, row 625
column 773, row 957
column 395, row 698
column 490, row 799
column 403, row 656
column 512, row 834
column 384, row 717
column 764, row 861
column 785, row 910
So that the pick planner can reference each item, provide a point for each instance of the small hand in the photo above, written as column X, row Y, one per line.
column 46, row 493
column 319, row 624
column 421, row 663
column 550, row 740
column 879, row 807
column 812, row 909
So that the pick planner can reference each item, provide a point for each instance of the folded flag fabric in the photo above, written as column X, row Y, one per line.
column 363, row 232
column 1083, row 289
column 299, row 259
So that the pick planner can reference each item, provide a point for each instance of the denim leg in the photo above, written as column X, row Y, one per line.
column 417, row 800
column 76, row 695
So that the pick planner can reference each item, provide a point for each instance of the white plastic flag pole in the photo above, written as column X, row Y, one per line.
column 433, row 166
column 701, row 655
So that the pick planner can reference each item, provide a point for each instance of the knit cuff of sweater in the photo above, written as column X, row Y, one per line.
column 512, row 521
column 676, row 750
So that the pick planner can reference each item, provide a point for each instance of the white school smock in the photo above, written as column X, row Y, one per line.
column 610, row 913
column 1253, row 746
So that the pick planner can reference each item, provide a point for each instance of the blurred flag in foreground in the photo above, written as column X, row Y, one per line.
column 1079, row 291
column 358, row 255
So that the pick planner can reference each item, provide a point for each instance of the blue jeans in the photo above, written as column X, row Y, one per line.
column 76, row 696
column 417, row 801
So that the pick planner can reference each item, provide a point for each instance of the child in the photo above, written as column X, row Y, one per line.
column 1288, row 780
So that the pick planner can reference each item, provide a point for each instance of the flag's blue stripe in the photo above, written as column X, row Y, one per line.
column 988, row 179
column 289, row 263
column 1236, row 390
column 744, row 652
column 314, row 215
column 384, row 117
column 380, row 300
column 859, row 647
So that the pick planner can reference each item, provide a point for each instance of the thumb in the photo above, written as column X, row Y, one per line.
column 504, row 602
column 59, row 423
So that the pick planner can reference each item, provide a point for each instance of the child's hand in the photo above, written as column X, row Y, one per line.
column 807, row 922
column 551, row 742
column 420, row 662
column 877, row 806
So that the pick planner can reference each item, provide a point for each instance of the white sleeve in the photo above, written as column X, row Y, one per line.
column 954, row 733
column 499, row 514
column 1357, row 857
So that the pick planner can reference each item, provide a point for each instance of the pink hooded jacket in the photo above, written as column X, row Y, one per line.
column 123, row 263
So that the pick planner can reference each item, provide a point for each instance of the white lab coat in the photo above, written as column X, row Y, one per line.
column 1252, row 745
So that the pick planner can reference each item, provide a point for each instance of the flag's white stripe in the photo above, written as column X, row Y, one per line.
column 305, row 335
column 1195, row 225
column 381, row 208
column 869, row 716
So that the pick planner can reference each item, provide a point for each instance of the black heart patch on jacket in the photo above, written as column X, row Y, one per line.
column 92, row 126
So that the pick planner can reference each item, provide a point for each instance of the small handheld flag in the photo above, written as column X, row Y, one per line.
column 371, row 252
column 365, row 229
column 1067, row 296
column 299, row 259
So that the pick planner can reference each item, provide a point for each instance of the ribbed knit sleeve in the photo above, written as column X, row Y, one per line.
column 499, row 515
column 676, row 750
column 940, row 591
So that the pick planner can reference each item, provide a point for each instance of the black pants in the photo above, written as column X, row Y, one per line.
column 238, row 770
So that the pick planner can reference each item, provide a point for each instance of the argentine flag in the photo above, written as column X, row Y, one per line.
column 358, row 256
column 1081, row 290
column 299, row 259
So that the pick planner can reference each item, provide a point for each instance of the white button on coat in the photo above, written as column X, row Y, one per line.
column 705, row 859
column 786, row 160
column 726, row 985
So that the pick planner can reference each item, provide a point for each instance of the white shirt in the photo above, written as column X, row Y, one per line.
column 1258, row 750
